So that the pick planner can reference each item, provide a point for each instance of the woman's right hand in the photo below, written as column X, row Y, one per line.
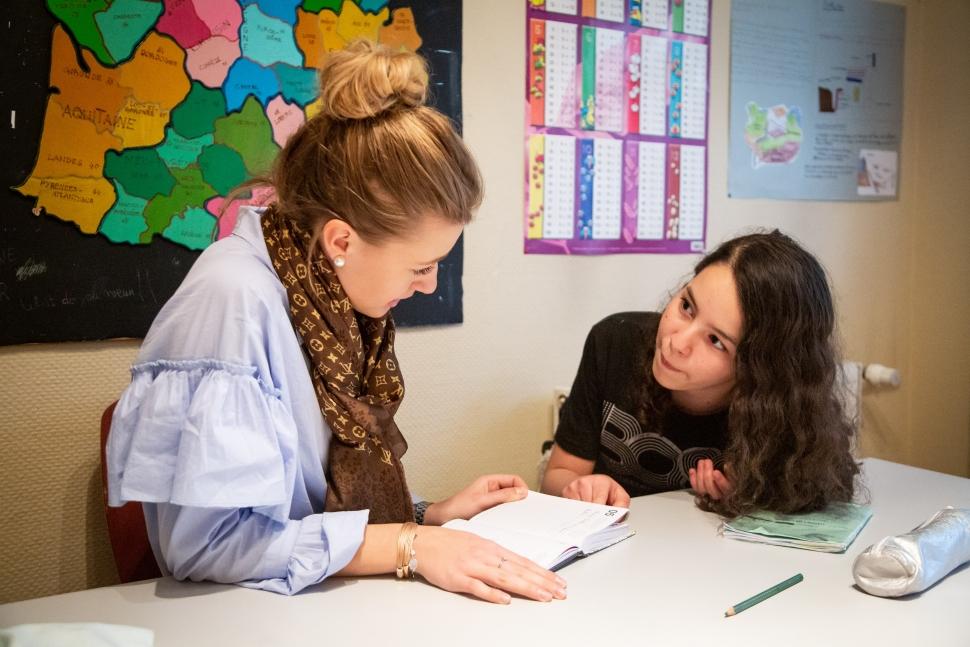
column 597, row 488
column 465, row 563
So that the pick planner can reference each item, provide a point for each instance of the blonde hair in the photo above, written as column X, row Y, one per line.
column 374, row 155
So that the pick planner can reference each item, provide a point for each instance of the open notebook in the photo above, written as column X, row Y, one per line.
column 549, row 530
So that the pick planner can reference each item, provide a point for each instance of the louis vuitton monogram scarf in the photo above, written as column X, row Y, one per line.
column 355, row 375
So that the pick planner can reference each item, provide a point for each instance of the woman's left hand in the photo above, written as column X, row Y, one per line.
column 705, row 480
column 484, row 492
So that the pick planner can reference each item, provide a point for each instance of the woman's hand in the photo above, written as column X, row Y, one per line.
column 465, row 563
column 597, row 488
column 707, row 481
column 485, row 492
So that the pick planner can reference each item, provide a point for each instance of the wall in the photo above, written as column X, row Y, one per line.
column 53, row 536
column 479, row 394
column 938, row 421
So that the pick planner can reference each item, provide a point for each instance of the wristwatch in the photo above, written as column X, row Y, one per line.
column 419, row 509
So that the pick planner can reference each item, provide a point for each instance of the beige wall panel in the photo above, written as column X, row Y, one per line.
column 53, row 537
column 939, row 342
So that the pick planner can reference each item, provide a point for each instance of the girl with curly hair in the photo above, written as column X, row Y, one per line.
column 731, row 390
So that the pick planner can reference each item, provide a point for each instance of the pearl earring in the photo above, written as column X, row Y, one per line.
column 339, row 261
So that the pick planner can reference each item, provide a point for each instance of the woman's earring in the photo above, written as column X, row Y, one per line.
column 339, row 261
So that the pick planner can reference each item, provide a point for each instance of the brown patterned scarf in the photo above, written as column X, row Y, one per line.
column 355, row 375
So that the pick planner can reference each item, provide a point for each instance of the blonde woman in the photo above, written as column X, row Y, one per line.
column 258, row 429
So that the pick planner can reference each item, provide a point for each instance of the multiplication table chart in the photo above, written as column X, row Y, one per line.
column 616, row 126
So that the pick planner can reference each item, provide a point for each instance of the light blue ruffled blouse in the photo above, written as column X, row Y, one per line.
column 220, row 435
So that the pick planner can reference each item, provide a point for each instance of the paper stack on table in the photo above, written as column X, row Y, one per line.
column 830, row 530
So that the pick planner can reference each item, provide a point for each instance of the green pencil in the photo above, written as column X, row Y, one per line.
column 764, row 595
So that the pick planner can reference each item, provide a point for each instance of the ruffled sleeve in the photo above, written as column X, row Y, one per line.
column 205, row 434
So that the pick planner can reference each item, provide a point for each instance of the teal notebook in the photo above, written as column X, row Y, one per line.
column 830, row 530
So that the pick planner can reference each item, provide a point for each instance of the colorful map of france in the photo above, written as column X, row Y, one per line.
column 178, row 102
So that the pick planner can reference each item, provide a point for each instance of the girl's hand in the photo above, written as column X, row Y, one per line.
column 465, row 563
column 597, row 488
column 484, row 492
column 707, row 481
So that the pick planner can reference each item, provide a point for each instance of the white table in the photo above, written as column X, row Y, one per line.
column 668, row 585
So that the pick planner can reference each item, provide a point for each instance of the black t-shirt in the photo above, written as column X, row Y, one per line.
column 598, row 421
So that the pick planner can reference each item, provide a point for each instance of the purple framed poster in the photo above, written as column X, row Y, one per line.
column 616, row 126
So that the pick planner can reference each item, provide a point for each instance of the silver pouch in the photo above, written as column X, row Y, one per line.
column 903, row 564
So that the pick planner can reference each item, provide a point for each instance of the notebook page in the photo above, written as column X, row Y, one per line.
column 544, row 551
column 567, row 520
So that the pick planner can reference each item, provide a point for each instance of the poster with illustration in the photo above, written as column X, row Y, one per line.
column 816, row 99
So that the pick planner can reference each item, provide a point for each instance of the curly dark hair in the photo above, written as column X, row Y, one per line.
column 789, row 439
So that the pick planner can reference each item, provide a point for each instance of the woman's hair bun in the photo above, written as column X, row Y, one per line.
column 366, row 79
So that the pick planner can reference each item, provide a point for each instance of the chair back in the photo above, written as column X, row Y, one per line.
column 133, row 554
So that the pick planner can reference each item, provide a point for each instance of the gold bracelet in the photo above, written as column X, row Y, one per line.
column 407, row 561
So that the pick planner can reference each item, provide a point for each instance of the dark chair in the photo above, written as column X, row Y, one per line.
column 126, row 525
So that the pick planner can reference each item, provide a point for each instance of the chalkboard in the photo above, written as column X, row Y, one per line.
column 59, row 284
